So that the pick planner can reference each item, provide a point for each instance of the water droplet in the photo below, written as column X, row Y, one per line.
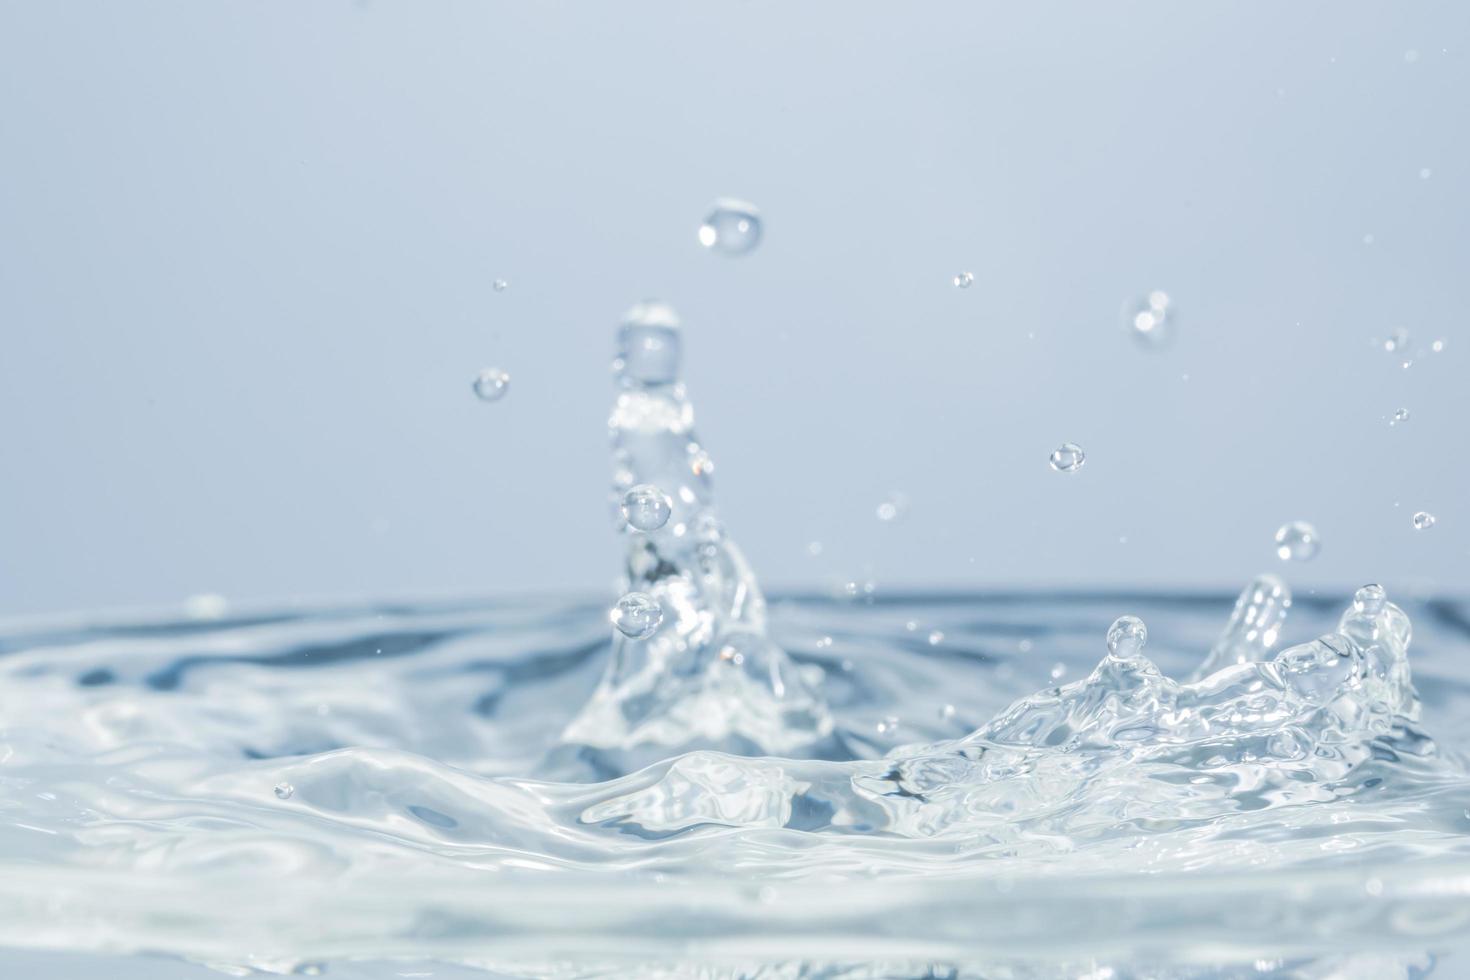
column 1425, row 173
column 1369, row 600
column 1297, row 541
column 1058, row 671
column 731, row 227
column 1399, row 415
column 284, row 791
column 964, row 280
column 888, row 726
column 946, row 712
column 491, row 384
column 1411, row 55
column 500, row 285
column 646, row 507
column 1437, row 346
column 936, row 637
column 1151, row 320
column 1423, row 520
column 894, row 506
column 1068, row 458
column 649, row 346
column 637, row 615
column 1397, row 340
column 814, row 548
column 1126, row 638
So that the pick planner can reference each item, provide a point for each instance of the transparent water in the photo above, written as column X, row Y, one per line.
column 872, row 785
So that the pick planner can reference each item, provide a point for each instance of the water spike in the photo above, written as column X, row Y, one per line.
column 1254, row 628
column 710, row 676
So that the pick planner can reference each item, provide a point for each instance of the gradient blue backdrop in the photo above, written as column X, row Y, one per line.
column 246, row 254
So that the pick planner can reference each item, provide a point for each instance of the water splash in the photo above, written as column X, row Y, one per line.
column 711, row 677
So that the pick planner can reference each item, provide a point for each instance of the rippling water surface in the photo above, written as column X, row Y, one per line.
column 986, row 785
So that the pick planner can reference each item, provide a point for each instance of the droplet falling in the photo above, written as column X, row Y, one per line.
column 894, row 506
column 284, row 791
column 732, row 227
column 1397, row 340
column 1127, row 638
column 1067, row 458
column 637, row 615
column 1399, row 415
column 1297, row 541
column 491, row 384
column 964, row 280
column 500, row 285
column 646, row 507
column 1423, row 520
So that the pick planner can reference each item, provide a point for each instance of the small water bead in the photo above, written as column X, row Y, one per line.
column 894, row 506
column 1397, row 340
column 500, row 285
column 1068, row 458
column 646, row 507
column 1127, row 638
column 1437, row 346
column 284, row 791
column 491, row 384
column 732, row 227
column 1058, row 671
column 1400, row 415
column 1423, row 520
column 637, row 615
column 936, row 637
column 888, row 726
column 1369, row 600
column 964, row 280
column 1297, row 541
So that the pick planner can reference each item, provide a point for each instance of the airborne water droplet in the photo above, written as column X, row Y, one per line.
column 491, row 384
column 646, row 507
column 964, row 280
column 637, row 615
column 732, row 227
column 1423, row 520
column 1151, row 320
column 1400, row 415
column 1397, row 340
column 1068, row 458
column 284, row 791
column 1297, row 541
column 500, row 285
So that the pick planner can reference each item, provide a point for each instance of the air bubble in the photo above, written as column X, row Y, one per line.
column 637, row 615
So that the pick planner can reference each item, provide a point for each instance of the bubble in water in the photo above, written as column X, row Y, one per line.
column 964, row 280
column 637, row 615
column 1068, row 458
column 646, row 507
column 284, row 791
column 732, row 227
column 1397, row 340
column 1126, row 638
column 1150, row 321
column 491, row 384
column 1399, row 415
column 649, row 345
column 1423, row 520
column 500, row 285
column 1297, row 541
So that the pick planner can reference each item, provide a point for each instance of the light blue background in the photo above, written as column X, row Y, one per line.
column 246, row 253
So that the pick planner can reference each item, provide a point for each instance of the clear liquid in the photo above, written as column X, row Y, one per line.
column 515, row 786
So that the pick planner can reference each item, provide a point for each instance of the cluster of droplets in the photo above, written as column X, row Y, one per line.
column 1150, row 321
